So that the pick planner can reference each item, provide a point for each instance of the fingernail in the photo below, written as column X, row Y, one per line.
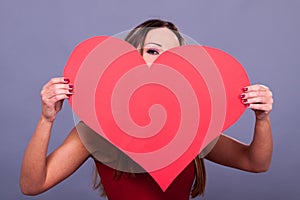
column 245, row 100
column 69, row 95
column 66, row 80
column 245, row 89
column 71, row 90
column 71, row 86
column 242, row 96
column 247, row 104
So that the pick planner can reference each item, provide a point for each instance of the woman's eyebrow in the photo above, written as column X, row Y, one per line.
column 153, row 43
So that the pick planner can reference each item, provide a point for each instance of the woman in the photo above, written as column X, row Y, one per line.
column 40, row 172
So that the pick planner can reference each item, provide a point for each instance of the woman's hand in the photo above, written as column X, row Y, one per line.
column 259, row 98
column 53, row 94
column 41, row 171
column 257, row 156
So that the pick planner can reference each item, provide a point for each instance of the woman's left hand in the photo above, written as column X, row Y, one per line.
column 259, row 98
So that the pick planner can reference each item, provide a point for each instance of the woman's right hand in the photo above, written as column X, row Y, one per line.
column 40, row 171
column 53, row 94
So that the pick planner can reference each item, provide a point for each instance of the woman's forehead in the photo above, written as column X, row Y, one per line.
column 162, row 37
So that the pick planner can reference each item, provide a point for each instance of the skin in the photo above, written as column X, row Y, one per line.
column 40, row 172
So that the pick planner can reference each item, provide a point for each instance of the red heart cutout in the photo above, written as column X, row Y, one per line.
column 161, row 116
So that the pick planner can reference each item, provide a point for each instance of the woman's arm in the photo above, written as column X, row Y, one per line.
column 40, row 172
column 255, row 157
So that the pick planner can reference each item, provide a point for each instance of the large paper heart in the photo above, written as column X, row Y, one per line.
column 160, row 116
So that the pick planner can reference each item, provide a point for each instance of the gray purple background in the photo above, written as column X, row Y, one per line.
column 36, row 38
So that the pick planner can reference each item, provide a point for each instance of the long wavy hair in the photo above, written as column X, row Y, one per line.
column 136, row 37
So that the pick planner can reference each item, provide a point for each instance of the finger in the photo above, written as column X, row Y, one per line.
column 263, row 107
column 56, row 89
column 253, row 94
column 59, row 92
column 255, row 87
column 57, row 80
column 257, row 100
column 57, row 98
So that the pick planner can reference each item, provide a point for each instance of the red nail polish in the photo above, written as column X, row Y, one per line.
column 245, row 89
column 69, row 95
column 71, row 90
column 66, row 80
column 242, row 96
column 71, row 86
column 245, row 100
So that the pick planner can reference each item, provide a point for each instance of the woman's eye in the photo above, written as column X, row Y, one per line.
column 152, row 52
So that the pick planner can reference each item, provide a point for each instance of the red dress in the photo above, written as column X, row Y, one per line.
column 143, row 187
